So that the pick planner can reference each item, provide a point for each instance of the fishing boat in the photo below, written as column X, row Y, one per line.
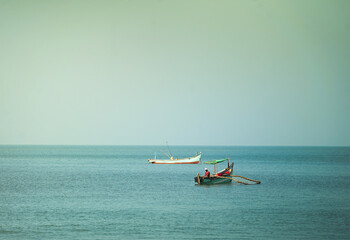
column 191, row 160
column 223, row 176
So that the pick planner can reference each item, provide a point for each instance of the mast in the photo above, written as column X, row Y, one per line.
column 203, row 168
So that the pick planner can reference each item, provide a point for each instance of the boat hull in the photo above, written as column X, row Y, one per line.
column 214, row 180
column 191, row 160
column 172, row 162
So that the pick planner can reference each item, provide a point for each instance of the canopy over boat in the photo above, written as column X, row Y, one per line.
column 215, row 161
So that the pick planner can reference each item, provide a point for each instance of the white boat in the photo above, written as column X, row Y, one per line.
column 190, row 160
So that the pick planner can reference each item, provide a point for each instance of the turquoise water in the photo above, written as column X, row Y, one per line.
column 111, row 192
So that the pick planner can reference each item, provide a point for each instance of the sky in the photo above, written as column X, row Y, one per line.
column 190, row 72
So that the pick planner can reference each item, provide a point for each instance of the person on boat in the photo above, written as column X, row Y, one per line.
column 207, row 173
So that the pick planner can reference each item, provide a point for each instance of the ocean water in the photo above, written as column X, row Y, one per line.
column 111, row 192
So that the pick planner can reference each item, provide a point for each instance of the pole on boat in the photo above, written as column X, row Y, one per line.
column 249, row 179
column 203, row 168
column 256, row 182
column 232, row 179
column 198, row 179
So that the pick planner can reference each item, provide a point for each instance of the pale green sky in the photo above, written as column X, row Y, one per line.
column 190, row 72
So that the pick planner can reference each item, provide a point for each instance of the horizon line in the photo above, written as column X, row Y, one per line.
column 174, row 145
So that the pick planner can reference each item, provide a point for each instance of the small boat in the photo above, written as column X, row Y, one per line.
column 220, row 177
column 191, row 160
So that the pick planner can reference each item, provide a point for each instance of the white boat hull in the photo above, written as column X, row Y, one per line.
column 191, row 160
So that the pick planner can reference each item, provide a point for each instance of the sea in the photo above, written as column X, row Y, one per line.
column 111, row 192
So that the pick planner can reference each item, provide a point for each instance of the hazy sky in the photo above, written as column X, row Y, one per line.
column 235, row 72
